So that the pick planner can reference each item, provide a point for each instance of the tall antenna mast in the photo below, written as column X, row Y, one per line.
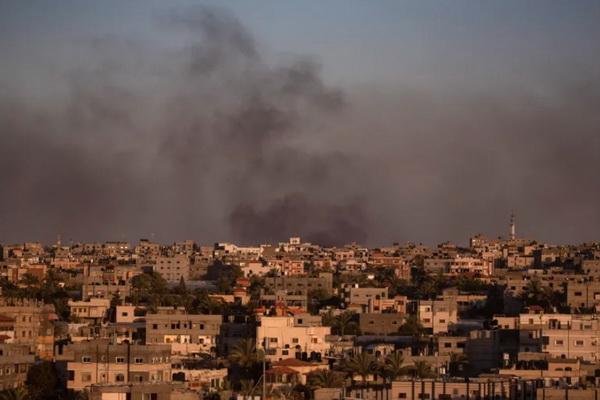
column 512, row 226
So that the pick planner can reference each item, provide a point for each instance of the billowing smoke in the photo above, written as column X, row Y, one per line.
column 213, row 142
column 206, row 142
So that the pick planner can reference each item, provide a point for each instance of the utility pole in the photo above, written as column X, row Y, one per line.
column 264, row 377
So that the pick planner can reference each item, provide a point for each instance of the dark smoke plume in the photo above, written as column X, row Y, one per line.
column 213, row 142
column 214, row 137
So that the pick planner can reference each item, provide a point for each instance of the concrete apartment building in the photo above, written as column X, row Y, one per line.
column 32, row 324
column 105, row 290
column 437, row 315
column 380, row 323
column 287, row 266
column 141, row 391
column 448, row 345
column 92, row 310
column 471, row 265
column 186, row 333
column 173, row 268
column 282, row 298
column 292, row 337
column 591, row 267
column 15, row 361
column 583, row 294
column 475, row 388
column 399, row 264
column 99, row 362
column 357, row 296
column 579, row 338
column 301, row 284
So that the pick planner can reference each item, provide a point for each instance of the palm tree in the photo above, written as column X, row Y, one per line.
column 393, row 365
column 14, row 394
column 325, row 378
column 244, row 354
column 247, row 388
column 458, row 361
column 422, row 369
column 392, row 368
column 362, row 364
column 281, row 392
column 411, row 327
column 343, row 322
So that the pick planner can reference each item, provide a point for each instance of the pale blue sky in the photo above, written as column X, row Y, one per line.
column 477, row 44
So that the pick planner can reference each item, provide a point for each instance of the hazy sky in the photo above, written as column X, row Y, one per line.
column 374, row 121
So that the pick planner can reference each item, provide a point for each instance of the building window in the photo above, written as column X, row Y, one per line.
column 71, row 375
column 120, row 360
column 86, row 377
column 139, row 360
column 86, row 359
column 402, row 395
column 120, row 378
column 579, row 343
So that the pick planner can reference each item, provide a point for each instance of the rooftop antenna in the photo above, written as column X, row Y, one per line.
column 512, row 226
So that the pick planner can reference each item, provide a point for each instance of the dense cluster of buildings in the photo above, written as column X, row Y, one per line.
column 501, row 318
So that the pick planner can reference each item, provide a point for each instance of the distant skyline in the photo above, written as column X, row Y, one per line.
column 337, row 121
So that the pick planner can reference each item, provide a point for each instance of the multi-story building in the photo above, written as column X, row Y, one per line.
column 583, row 294
column 437, row 315
column 142, row 391
column 300, row 336
column 187, row 333
column 578, row 338
column 15, row 361
column 99, row 362
column 287, row 266
column 92, row 310
column 301, row 284
column 357, row 296
column 380, row 323
column 32, row 324
column 105, row 290
column 174, row 268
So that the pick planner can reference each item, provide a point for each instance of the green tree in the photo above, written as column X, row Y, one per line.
column 422, row 370
column 362, row 364
column 536, row 294
column 43, row 382
column 325, row 378
column 345, row 323
column 393, row 366
column 148, row 288
column 458, row 363
column 245, row 354
column 181, row 288
column 29, row 280
column 411, row 327
column 14, row 394
column 116, row 301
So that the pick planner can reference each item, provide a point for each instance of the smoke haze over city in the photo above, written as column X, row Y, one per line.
column 240, row 122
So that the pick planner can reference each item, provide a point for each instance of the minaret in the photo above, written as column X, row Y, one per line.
column 512, row 226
